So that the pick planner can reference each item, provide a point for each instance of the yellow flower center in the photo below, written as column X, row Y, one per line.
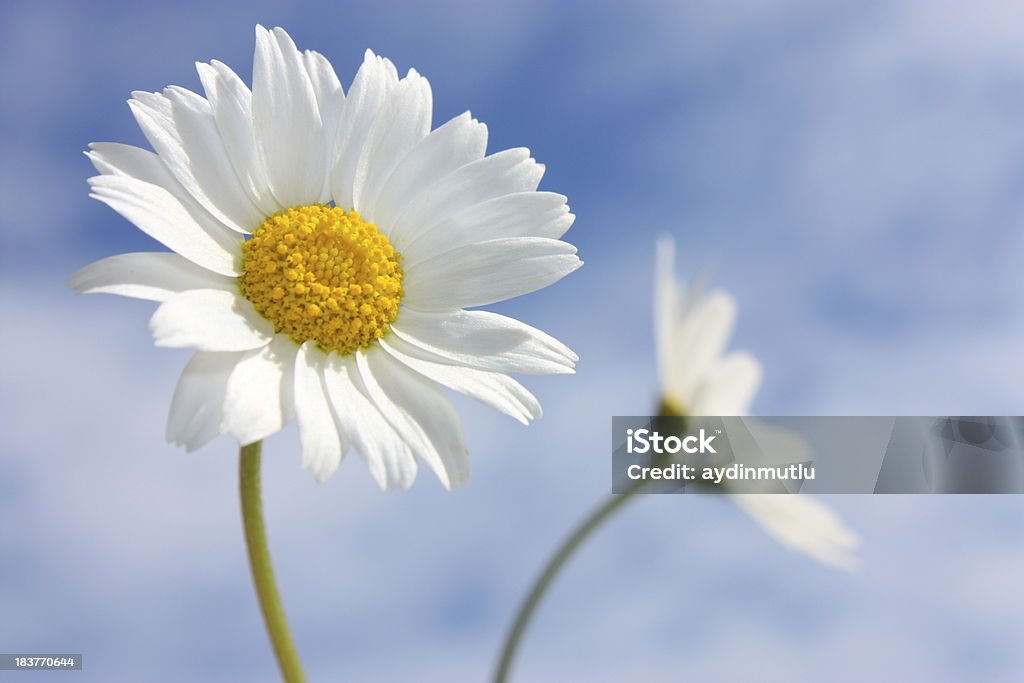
column 322, row 273
column 671, row 407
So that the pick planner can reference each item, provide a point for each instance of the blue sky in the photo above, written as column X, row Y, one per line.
column 854, row 174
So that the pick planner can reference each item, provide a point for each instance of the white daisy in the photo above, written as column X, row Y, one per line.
column 699, row 378
column 324, row 249
column 691, row 330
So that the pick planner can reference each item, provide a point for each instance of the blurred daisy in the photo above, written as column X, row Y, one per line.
column 324, row 248
column 698, row 377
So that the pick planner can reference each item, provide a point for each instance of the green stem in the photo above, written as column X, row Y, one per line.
column 540, row 586
column 262, row 569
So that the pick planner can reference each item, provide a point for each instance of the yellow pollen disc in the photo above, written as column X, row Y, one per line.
column 322, row 273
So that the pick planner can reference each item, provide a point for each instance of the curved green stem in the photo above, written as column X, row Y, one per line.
column 262, row 569
column 554, row 565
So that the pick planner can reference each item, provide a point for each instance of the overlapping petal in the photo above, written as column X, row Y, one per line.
column 402, row 122
column 180, row 127
column 486, row 341
column 231, row 103
column 330, row 100
column 286, row 117
column 507, row 172
column 494, row 389
column 387, row 456
column 418, row 411
column 728, row 386
column 210, row 320
column 245, row 394
column 488, row 272
column 521, row 214
column 460, row 141
column 116, row 159
column 158, row 214
column 376, row 78
column 258, row 398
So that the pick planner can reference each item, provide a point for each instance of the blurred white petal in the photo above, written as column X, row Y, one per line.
column 804, row 525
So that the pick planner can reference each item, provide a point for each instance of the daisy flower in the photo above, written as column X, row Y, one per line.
column 698, row 377
column 324, row 249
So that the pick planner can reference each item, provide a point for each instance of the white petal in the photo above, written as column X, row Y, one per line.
column 491, row 271
column 197, row 409
column 494, row 389
column 231, row 104
column 114, row 158
column 111, row 158
column 246, row 394
column 419, row 412
column 322, row 442
column 289, row 131
column 729, row 386
column 403, row 120
column 698, row 338
column 458, row 142
column 374, row 80
column 775, row 445
column 258, row 400
column 803, row 524
column 208, row 159
column 387, row 456
column 157, row 213
column 210, row 320
column 155, row 276
column 486, row 341
column 154, row 104
column 523, row 214
column 330, row 99
column 666, row 312
column 180, row 127
column 499, row 174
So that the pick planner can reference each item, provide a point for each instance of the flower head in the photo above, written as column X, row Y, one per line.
column 324, row 248
column 699, row 378
column 692, row 329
